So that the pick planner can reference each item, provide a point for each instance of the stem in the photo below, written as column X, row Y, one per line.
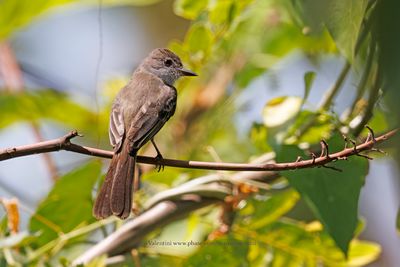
column 131, row 234
column 372, row 99
column 330, row 95
column 63, row 143
column 63, row 238
column 326, row 102
column 363, row 82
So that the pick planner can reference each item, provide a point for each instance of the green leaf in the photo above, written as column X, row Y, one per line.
column 388, row 41
column 166, row 177
column 68, row 205
column 259, row 137
column 17, row 13
column 379, row 122
column 309, row 78
column 261, row 212
column 266, row 48
column 159, row 260
column 292, row 243
column 225, row 251
column 222, row 11
column 342, row 18
column 190, row 9
column 361, row 253
column 198, row 39
column 324, row 124
column 343, row 22
column 333, row 196
column 183, row 237
column 4, row 226
column 282, row 259
column 281, row 110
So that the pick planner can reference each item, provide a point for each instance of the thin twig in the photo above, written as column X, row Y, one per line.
column 63, row 143
column 335, row 89
column 330, row 95
column 372, row 100
column 363, row 81
column 326, row 101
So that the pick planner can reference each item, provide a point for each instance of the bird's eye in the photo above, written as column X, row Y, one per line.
column 168, row 62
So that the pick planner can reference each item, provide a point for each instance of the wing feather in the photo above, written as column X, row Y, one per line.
column 117, row 129
column 152, row 117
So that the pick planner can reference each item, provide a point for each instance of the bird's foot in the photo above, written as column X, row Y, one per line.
column 159, row 165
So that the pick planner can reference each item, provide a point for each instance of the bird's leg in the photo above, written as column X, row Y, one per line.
column 158, row 151
column 159, row 157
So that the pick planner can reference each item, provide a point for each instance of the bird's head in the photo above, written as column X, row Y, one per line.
column 166, row 65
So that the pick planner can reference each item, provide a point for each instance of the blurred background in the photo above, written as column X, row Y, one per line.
column 62, row 62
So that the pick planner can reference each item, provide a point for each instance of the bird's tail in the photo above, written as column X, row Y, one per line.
column 115, row 196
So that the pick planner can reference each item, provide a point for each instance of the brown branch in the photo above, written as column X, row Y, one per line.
column 64, row 143
column 168, row 206
column 131, row 234
column 174, row 203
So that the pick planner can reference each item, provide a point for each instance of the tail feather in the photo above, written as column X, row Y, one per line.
column 121, row 190
column 102, row 208
column 115, row 196
column 129, row 187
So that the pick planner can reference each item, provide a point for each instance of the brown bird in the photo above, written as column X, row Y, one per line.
column 138, row 112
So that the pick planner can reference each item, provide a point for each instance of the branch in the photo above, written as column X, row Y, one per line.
column 176, row 203
column 64, row 143
column 132, row 233
column 171, row 205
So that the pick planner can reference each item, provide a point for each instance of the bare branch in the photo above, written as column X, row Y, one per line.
column 64, row 143
column 171, row 205
column 176, row 203
column 132, row 233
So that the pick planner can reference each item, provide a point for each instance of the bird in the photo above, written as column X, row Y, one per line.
column 139, row 111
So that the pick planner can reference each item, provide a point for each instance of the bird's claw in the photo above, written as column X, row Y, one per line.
column 159, row 165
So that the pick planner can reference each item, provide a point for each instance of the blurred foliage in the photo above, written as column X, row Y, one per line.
column 262, row 211
column 282, row 243
column 49, row 105
column 15, row 14
column 388, row 39
column 230, row 44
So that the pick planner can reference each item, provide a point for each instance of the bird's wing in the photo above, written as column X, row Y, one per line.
column 117, row 129
column 152, row 115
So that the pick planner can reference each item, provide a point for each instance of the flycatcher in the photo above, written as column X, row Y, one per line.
column 138, row 112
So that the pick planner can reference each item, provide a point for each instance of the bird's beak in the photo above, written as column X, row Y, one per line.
column 186, row 72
